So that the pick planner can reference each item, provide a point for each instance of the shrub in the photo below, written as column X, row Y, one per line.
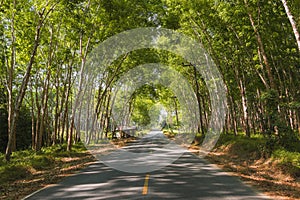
column 287, row 157
column 13, row 172
column 40, row 162
column 23, row 134
column 289, row 161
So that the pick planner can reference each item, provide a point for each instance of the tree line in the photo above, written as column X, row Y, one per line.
column 45, row 44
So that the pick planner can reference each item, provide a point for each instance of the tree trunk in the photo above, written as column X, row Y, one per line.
column 80, row 90
column 65, row 102
column 10, row 70
column 14, row 110
column 32, row 118
column 233, row 114
column 261, row 48
column 56, row 110
column 198, row 100
column 37, row 122
column 245, row 109
column 293, row 22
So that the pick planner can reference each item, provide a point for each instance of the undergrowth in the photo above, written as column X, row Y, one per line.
column 260, row 147
column 24, row 162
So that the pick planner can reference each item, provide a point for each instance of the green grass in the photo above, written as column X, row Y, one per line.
column 258, row 147
column 13, row 172
column 242, row 146
column 24, row 162
column 287, row 157
column 289, row 161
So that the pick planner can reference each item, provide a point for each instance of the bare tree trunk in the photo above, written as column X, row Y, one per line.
column 56, row 111
column 43, row 110
column 108, row 112
column 38, row 118
column 240, row 79
column 77, row 135
column 245, row 108
column 199, row 101
column 14, row 110
column 80, row 90
column 298, row 119
column 293, row 22
column 65, row 102
column 261, row 48
column 32, row 119
column 88, row 112
column 233, row 114
column 10, row 71
column 45, row 97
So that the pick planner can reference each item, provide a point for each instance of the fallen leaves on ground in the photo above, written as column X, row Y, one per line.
column 263, row 174
column 64, row 167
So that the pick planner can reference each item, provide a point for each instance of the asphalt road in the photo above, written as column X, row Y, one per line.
column 150, row 173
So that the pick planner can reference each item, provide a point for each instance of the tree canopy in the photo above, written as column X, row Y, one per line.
column 45, row 45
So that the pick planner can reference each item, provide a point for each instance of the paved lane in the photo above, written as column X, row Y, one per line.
column 189, row 177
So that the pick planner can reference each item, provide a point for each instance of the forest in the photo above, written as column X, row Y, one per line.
column 45, row 46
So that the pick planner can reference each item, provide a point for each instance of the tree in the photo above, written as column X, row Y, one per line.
column 15, row 105
column 45, row 45
column 292, row 21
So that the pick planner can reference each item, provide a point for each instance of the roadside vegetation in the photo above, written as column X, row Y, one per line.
column 46, row 45
column 260, row 161
column 29, row 171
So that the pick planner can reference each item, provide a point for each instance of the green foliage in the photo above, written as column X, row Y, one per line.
column 40, row 162
column 13, row 172
column 23, row 130
column 267, row 148
column 59, row 150
column 288, row 139
column 241, row 145
column 258, row 147
column 222, row 27
column 289, row 161
column 3, row 129
column 25, row 161
column 287, row 157
column 140, row 114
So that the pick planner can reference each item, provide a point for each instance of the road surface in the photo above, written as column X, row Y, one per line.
column 188, row 177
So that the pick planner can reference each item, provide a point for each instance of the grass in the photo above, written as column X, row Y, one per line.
column 288, row 161
column 29, row 171
column 264, row 162
column 170, row 133
column 13, row 172
column 287, row 157
column 24, row 164
column 260, row 146
column 254, row 148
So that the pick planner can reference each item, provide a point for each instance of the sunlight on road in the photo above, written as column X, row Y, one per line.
column 150, row 153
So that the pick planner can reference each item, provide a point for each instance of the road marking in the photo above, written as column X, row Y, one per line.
column 145, row 188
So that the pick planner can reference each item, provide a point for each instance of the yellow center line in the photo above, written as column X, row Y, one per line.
column 145, row 188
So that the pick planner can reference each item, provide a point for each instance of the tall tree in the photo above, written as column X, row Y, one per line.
column 292, row 21
column 14, row 105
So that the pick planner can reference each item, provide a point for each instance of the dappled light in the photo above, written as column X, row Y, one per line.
column 171, row 182
column 137, row 98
